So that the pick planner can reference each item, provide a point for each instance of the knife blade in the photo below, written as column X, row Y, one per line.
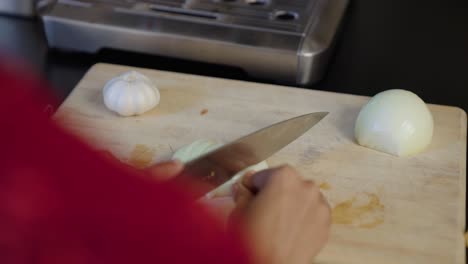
column 220, row 165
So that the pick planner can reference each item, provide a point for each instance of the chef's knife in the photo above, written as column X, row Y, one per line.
column 220, row 165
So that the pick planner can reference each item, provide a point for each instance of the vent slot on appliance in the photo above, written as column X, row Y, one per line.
column 183, row 12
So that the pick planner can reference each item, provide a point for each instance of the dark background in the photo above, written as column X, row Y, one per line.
column 416, row 45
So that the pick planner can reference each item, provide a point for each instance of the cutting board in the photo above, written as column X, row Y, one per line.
column 386, row 209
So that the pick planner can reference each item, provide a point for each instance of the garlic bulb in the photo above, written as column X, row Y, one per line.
column 130, row 94
column 397, row 122
column 200, row 147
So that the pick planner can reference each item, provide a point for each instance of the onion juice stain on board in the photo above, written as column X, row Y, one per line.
column 141, row 156
column 363, row 210
column 325, row 186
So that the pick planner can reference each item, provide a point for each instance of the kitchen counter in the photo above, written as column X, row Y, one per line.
column 420, row 46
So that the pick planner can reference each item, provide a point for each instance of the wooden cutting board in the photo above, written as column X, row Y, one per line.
column 385, row 209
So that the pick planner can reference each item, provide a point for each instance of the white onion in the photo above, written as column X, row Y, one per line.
column 200, row 147
column 397, row 122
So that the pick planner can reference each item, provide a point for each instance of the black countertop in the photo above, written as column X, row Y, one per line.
column 416, row 45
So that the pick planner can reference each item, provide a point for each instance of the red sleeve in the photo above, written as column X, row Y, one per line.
column 62, row 203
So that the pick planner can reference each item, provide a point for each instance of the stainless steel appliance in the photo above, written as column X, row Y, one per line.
column 286, row 40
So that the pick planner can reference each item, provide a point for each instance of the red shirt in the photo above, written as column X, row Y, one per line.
column 60, row 202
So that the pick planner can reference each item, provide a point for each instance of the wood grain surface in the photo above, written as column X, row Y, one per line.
column 386, row 209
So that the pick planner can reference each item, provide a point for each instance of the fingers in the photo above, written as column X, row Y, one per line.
column 256, row 181
column 246, row 181
column 281, row 178
column 242, row 195
column 167, row 169
column 282, row 175
column 242, row 199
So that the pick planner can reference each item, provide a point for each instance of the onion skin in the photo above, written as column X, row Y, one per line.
column 395, row 121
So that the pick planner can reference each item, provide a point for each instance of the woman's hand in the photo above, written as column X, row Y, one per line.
column 286, row 217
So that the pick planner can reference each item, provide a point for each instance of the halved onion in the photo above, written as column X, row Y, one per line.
column 397, row 122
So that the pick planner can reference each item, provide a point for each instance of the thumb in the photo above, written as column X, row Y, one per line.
column 242, row 198
column 242, row 195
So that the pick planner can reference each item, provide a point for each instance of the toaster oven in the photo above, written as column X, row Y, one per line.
column 288, row 41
